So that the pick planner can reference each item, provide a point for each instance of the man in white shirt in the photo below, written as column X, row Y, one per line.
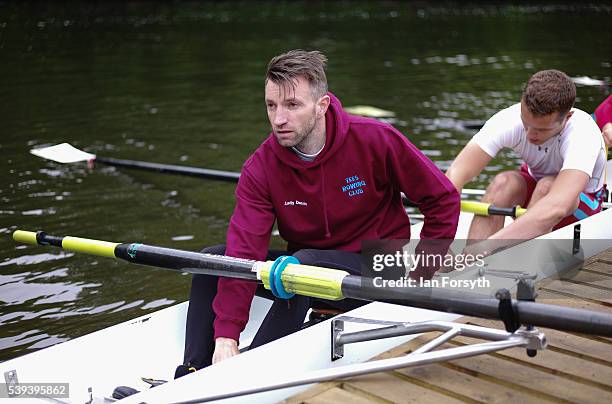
column 562, row 178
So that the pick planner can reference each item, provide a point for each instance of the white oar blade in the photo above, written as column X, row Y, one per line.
column 63, row 153
column 367, row 110
column 587, row 81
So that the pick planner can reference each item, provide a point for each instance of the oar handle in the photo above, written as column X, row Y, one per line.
column 486, row 209
column 26, row 237
column 76, row 244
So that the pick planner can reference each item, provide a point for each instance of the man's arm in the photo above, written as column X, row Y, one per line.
column 468, row 164
column 248, row 236
column 411, row 172
column 561, row 201
column 607, row 134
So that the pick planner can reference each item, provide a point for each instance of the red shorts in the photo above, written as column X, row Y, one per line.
column 590, row 203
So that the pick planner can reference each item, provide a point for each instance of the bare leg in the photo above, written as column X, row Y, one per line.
column 541, row 190
column 506, row 190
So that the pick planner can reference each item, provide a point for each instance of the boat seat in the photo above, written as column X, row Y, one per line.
column 322, row 310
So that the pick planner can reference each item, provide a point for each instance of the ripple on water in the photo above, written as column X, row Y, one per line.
column 39, row 293
column 33, row 339
column 128, row 306
column 36, row 258
column 158, row 303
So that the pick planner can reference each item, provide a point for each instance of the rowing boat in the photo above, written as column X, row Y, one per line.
column 310, row 349
column 152, row 345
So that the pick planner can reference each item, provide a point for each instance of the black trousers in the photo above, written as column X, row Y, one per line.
column 283, row 318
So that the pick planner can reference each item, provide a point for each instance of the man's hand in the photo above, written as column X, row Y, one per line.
column 224, row 348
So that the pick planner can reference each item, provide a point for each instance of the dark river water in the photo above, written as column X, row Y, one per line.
column 182, row 83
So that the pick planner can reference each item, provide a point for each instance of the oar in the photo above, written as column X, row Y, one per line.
column 486, row 209
column 333, row 284
column 66, row 153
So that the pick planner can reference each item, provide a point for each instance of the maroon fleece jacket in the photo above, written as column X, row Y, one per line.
column 348, row 194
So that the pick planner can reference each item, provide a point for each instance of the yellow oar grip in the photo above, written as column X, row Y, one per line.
column 486, row 209
column 89, row 246
column 27, row 237
column 76, row 244
column 324, row 283
column 478, row 208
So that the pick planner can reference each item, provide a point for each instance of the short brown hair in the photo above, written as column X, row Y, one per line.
column 549, row 91
column 286, row 68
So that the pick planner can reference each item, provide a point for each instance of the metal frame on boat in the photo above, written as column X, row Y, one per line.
column 531, row 339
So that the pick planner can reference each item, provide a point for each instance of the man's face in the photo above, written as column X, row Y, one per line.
column 541, row 128
column 292, row 111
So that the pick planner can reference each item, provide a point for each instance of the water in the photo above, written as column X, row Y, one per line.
column 183, row 84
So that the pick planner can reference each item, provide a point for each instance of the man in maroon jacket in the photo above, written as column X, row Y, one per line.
column 331, row 180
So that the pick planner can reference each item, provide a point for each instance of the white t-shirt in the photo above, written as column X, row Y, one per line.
column 579, row 146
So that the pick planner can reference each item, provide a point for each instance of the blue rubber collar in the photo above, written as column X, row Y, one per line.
column 276, row 283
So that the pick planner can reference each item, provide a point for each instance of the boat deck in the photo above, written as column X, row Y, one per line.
column 574, row 368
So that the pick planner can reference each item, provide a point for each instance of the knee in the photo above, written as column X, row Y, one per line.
column 218, row 249
column 306, row 256
column 503, row 187
column 542, row 187
column 201, row 283
column 336, row 259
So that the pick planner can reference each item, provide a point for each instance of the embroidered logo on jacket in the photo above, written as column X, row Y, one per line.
column 296, row 202
column 353, row 185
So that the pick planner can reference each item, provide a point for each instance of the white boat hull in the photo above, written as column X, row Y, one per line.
column 152, row 345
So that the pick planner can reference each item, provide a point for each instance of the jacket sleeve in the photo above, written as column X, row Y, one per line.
column 248, row 236
column 425, row 185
